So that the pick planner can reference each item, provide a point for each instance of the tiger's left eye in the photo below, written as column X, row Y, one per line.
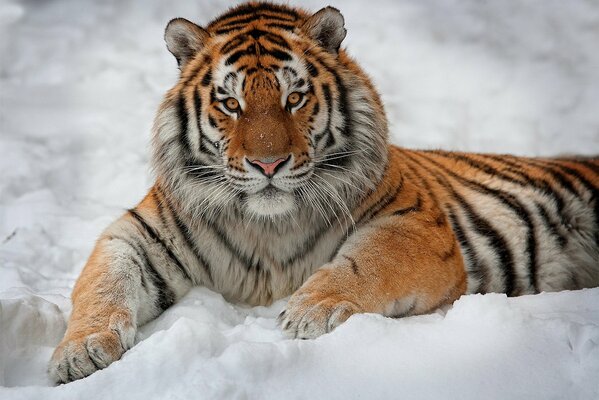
column 231, row 104
column 294, row 99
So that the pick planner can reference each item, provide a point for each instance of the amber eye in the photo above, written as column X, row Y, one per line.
column 294, row 99
column 231, row 104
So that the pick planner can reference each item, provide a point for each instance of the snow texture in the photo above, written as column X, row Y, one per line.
column 80, row 82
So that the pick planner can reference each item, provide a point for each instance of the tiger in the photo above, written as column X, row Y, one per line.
column 274, row 177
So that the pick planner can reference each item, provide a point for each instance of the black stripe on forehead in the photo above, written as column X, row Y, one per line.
column 290, row 70
column 260, row 50
column 256, row 34
column 234, row 43
column 278, row 54
column 257, row 10
column 287, row 27
column 233, row 58
column 231, row 80
column 252, row 18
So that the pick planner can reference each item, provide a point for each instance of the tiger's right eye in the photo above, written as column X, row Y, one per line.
column 294, row 98
column 231, row 104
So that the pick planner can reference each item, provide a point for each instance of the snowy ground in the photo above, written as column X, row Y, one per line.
column 79, row 84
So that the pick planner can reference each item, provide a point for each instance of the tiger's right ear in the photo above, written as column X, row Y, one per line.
column 327, row 28
column 184, row 39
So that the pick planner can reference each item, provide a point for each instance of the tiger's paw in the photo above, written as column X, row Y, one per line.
column 311, row 314
column 79, row 356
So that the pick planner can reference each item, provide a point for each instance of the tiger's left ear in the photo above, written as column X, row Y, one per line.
column 184, row 39
column 327, row 28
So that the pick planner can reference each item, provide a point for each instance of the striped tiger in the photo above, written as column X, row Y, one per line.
column 274, row 177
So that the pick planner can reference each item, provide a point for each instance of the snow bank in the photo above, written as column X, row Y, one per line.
column 79, row 84
column 544, row 346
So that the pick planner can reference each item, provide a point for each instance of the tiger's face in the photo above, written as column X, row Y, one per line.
column 261, row 115
column 268, row 113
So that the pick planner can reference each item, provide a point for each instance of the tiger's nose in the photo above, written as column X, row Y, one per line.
column 267, row 167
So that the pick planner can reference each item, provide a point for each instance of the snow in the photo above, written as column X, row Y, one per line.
column 79, row 84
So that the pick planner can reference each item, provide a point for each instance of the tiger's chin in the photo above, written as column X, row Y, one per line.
column 270, row 202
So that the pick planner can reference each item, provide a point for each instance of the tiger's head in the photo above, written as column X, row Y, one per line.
column 269, row 116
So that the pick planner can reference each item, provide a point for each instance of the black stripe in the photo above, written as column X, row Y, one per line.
column 475, row 265
column 480, row 165
column 343, row 106
column 306, row 247
column 196, row 70
column 353, row 265
column 541, row 185
column 590, row 164
column 191, row 244
column 592, row 189
column 578, row 176
column 326, row 91
column 245, row 22
column 312, row 70
column 275, row 53
column 290, row 70
column 381, row 203
column 551, row 226
column 156, row 238
column 555, row 175
column 233, row 58
column 234, row 43
column 202, row 137
column 563, row 180
column 183, row 118
column 516, row 206
column 287, row 27
column 413, row 171
column 166, row 297
column 207, row 79
column 231, row 247
column 212, row 122
column 315, row 109
column 141, row 269
column 414, row 208
column 482, row 227
column 144, row 283
column 254, row 9
column 229, row 30
column 278, row 40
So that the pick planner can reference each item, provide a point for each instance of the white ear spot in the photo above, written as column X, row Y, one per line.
column 327, row 28
column 184, row 39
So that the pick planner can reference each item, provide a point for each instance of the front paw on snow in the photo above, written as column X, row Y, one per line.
column 309, row 316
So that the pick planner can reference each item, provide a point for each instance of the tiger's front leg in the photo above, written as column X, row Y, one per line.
column 404, row 262
column 130, row 278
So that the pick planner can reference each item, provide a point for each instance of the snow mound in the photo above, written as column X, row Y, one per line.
column 544, row 346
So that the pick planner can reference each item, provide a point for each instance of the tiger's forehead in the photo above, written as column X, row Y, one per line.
column 252, row 60
column 255, row 49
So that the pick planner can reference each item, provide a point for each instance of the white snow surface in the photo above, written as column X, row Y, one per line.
column 80, row 82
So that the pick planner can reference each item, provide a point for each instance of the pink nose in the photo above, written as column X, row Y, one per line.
column 268, row 168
